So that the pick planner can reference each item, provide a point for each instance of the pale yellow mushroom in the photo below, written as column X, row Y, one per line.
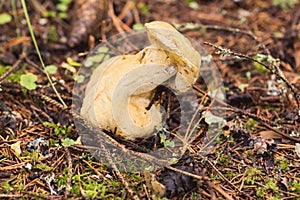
column 164, row 36
column 122, row 87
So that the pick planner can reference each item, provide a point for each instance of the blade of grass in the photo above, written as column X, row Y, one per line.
column 14, row 10
column 38, row 51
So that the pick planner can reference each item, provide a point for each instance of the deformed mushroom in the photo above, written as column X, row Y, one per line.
column 122, row 87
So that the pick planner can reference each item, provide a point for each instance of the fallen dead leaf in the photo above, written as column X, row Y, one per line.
column 16, row 147
column 15, row 41
column 269, row 134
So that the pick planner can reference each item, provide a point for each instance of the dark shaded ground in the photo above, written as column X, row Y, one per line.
column 254, row 157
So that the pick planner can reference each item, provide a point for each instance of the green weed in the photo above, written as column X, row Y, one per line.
column 144, row 9
column 295, row 186
column 61, row 11
column 270, row 187
column 285, row 4
column 283, row 163
column 252, row 175
column 59, row 130
column 251, row 125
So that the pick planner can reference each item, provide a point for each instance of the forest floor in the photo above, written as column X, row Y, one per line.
column 256, row 152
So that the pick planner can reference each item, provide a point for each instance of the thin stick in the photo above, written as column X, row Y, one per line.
column 272, row 67
column 228, row 29
column 14, row 68
column 70, row 167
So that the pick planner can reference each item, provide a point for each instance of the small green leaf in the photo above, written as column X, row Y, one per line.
column 88, row 62
column 173, row 161
column 169, row 143
column 28, row 81
column 49, row 14
column 278, row 34
column 94, row 59
column 162, row 138
column 138, row 27
column 65, row 1
column 52, row 34
column 248, row 75
column 51, row 69
column 285, row 4
column 62, row 7
column 5, row 18
column 259, row 67
column 194, row 5
column 63, row 15
column 70, row 61
column 16, row 147
column 143, row 7
column 211, row 118
column 43, row 167
column 2, row 69
column 67, row 142
column 103, row 49
column 6, row 186
column 79, row 78
column 149, row 168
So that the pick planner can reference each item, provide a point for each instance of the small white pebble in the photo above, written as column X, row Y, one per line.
column 28, row 166
column 108, row 176
column 43, row 21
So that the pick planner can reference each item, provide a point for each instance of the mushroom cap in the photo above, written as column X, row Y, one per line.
column 164, row 36
column 122, row 87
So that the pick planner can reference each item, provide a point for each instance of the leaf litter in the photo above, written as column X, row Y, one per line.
column 256, row 154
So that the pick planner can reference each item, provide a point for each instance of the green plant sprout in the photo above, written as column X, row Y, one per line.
column 7, row 186
column 62, row 6
column 5, row 18
column 52, row 34
column 59, row 130
column 251, row 125
column 62, row 10
column 269, row 187
column 38, row 51
column 62, row 180
column 93, row 189
column 224, row 160
column 283, row 163
column 14, row 184
column 285, row 4
column 67, row 142
column 266, row 59
column 51, row 69
column 295, row 186
column 252, row 175
column 143, row 8
column 138, row 27
column 193, row 5
column 28, row 81
column 43, row 167
column 14, row 77
column 195, row 196
column 165, row 142
column 62, row 131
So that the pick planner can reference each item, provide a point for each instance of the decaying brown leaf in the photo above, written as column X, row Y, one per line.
column 153, row 185
column 269, row 134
